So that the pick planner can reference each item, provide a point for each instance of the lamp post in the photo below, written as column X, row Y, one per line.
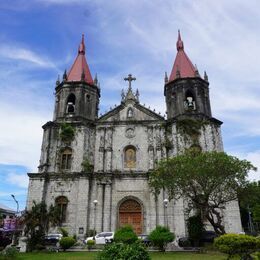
column 165, row 203
column 250, row 222
column 95, row 202
column 17, row 203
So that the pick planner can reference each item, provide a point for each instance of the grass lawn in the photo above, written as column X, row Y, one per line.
column 91, row 255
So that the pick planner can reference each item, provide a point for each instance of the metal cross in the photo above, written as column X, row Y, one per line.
column 130, row 79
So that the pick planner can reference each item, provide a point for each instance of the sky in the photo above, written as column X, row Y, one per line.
column 39, row 40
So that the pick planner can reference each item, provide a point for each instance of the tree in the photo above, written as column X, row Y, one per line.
column 249, row 199
column 209, row 180
column 37, row 222
column 195, row 229
column 160, row 236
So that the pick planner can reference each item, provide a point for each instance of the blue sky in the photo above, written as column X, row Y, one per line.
column 39, row 39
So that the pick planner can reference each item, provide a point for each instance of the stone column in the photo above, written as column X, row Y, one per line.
column 161, row 214
column 107, row 207
column 82, row 207
column 98, row 214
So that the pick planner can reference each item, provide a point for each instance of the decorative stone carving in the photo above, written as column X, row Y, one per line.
column 130, row 132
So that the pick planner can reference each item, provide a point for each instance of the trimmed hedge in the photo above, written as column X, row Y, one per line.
column 125, row 235
column 234, row 244
column 120, row 251
column 67, row 242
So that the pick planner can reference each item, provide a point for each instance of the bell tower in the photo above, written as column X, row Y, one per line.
column 186, row 92
column 77, row 95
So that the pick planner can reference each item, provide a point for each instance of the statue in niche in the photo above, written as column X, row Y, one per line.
column 150, row 136
column 158, row 138
column 109, row 138
column 102, row 141
column 130, row 157
column 130, row 113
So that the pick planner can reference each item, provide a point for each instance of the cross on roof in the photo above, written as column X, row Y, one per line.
column 129, row 79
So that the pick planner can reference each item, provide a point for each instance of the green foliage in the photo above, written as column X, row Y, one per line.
column 87, row 166
column 249, row 199
column 119, row 251
column 9, row 253
column 37, row 222
column 195, row 229
column 64, row 232
column 67, row 242
column 125, row 235
column 67, row 132
column 90, row 244
column 190, row 128
column 208, row 179
column 234, row 244
column 160, row 236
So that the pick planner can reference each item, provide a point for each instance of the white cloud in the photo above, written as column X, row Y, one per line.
column 254, row 158
column 17, row 53
column 22, row 136
column 20, row 180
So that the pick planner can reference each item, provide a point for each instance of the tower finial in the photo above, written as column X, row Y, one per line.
column 206, row 76
column 96, row 80
column 166, row 78
column 65, row 76
column 179, row 44
column 82, row 45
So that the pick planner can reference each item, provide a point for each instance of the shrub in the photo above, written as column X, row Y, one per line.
column 160, row 236
column 90, row 244
column 119, row 251
column 10, row 252
column 258, row 243
column 195, row 229
column 67, row 132
column 67, row 242
column 125, row 235
column 234, row 244
column 64, row 232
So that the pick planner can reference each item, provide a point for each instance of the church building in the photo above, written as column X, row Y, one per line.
column 95, row 168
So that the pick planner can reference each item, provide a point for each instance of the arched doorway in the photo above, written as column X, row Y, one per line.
column 130, row 213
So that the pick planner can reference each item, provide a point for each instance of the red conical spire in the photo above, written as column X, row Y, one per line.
column 182, row 67
column 80, row 66
column 179, row 43
column 82, row 46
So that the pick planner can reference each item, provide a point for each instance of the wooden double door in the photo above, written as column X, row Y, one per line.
column 130, row 213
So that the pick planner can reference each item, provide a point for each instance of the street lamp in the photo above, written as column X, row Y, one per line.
column 17, row 204
column 95, row 202
column 165, row 203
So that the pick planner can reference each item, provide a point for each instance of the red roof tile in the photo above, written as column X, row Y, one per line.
column 182, row 67
column 80, row 66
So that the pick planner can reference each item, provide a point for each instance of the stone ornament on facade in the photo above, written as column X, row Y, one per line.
column 130, row 132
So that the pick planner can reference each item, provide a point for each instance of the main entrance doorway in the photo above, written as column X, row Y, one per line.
column 130, row 213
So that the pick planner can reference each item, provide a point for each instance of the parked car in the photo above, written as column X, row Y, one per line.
column 144, row 238
column 184, row 242
column 52, row 239
column 102, row 238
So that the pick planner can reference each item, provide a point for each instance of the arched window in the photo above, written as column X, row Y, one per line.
column 66, row 159
column 130, row 157
column 71, row 104
column 130, row 113
column 189, row 100
column 62, row 203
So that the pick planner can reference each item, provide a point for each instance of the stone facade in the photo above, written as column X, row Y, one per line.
column 119, row 149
